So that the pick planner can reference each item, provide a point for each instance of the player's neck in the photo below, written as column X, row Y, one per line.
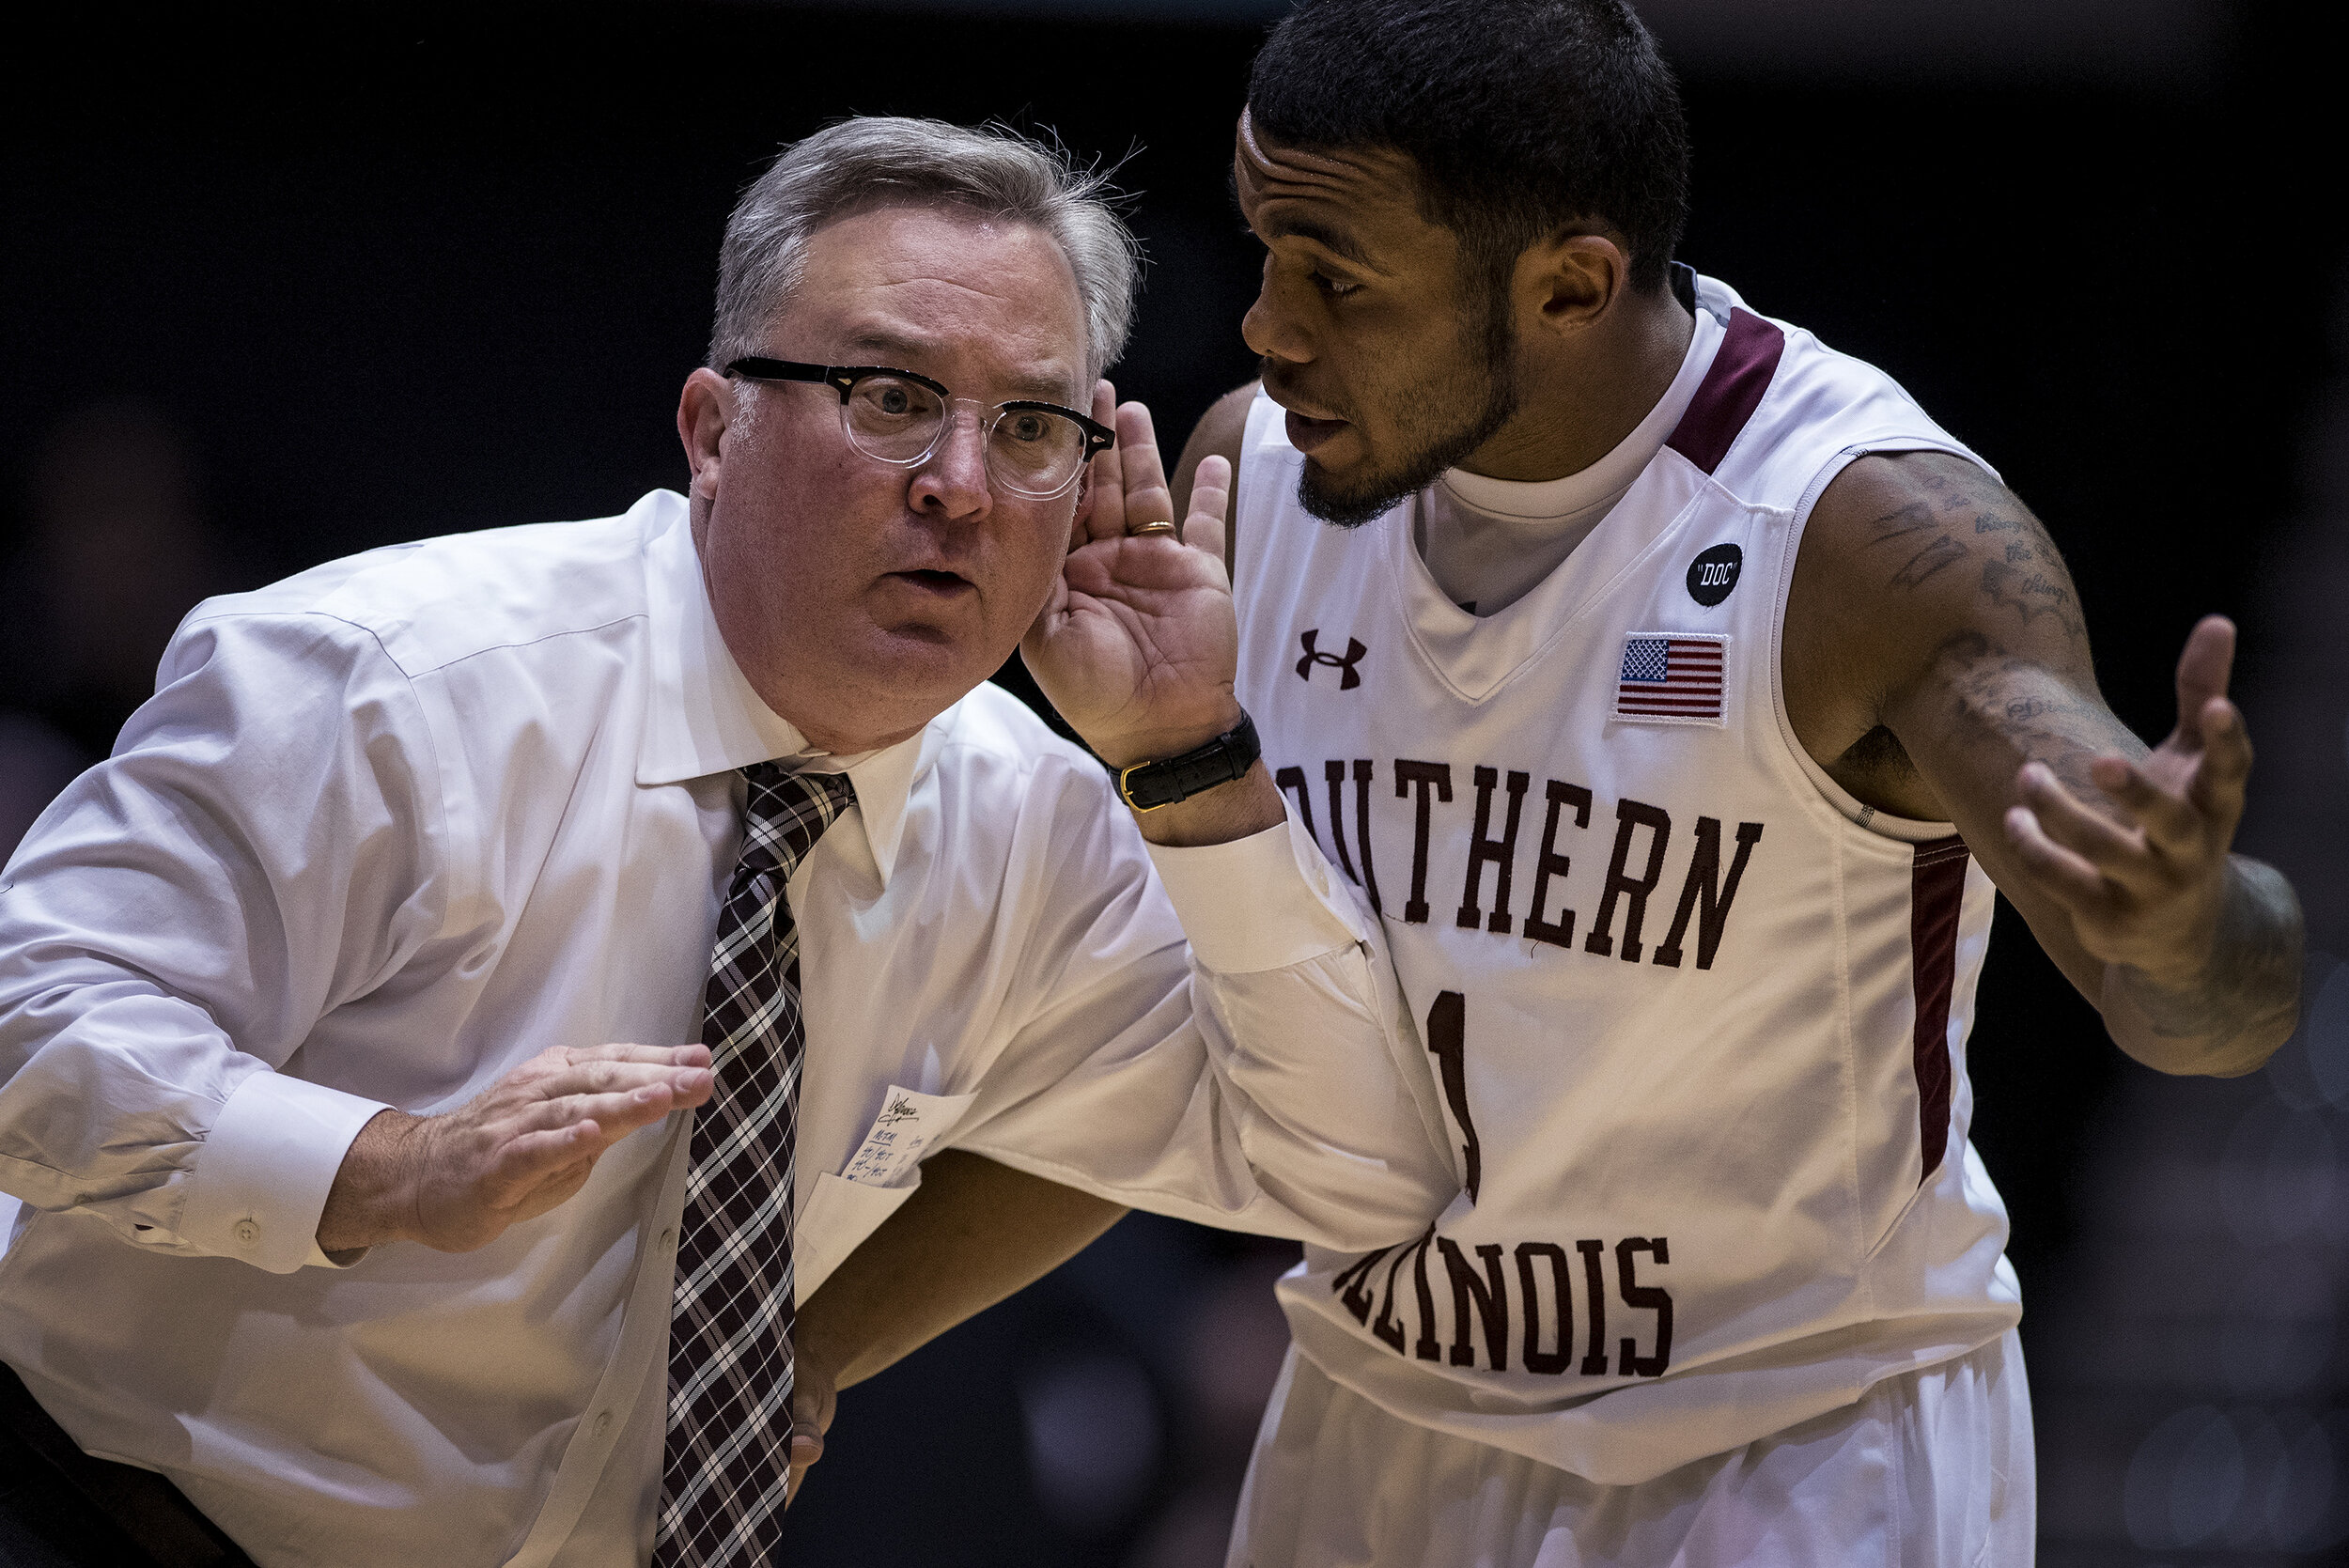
column 1582, row 399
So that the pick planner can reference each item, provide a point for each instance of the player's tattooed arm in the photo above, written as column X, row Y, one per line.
column 1932, row 623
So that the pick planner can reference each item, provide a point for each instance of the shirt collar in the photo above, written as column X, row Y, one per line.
column 707, row 718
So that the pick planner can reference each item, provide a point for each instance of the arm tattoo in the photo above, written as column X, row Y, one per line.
column 2028, row 576
column 2031, row 593
column 2017, row 702
column 2252, row 983
column 1922, row 544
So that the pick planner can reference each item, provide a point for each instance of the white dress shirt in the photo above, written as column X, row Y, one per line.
column 393, row 825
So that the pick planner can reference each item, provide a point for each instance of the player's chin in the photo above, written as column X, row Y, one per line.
column 1350, row 496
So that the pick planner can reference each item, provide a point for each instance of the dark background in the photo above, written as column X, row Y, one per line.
column 280, row 285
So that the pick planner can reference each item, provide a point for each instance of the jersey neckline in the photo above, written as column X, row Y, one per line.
column 1475, row 655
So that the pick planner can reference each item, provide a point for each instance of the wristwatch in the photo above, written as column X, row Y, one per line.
column 1149, row 785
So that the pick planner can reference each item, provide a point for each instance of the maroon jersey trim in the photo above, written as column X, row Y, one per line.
column 1937, row 895
column 1732, row 390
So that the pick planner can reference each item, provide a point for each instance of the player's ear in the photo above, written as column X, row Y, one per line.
column 1569, row 281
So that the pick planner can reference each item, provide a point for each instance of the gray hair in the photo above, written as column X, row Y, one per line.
column 876, row 161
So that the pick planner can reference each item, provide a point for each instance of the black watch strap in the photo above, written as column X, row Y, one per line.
column 1149, row 785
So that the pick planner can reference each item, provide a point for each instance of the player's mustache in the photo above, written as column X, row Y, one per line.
column 1284, row 390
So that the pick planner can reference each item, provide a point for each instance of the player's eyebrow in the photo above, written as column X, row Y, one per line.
column 1335, row 240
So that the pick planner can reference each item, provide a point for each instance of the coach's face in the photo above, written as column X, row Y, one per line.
column 862, row 599
column 1390, row 360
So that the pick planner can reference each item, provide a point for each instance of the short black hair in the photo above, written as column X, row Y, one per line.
column 1524, row 116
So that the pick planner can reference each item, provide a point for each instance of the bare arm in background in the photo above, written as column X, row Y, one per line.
column 974, row 1232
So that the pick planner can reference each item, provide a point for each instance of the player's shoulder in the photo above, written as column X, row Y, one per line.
column 1779, row 407
column 1220, row 432
column 431, row 602
column 1223, row 428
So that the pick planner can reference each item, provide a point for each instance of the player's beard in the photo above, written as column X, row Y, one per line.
column 1484, row 377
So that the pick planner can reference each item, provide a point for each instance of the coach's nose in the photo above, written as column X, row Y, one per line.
column 952, row 481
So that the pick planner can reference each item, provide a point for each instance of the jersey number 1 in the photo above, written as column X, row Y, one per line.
column 1447, row 1038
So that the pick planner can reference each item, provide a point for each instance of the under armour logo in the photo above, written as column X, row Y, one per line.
column 1348, row 676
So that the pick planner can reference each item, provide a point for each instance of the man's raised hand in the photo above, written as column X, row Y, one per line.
column 455, row 1181
column 1138, row 646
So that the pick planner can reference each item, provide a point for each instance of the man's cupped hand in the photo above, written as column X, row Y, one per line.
column 1138, row 646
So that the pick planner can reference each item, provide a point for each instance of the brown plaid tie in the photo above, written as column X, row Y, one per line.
column 729, row 1443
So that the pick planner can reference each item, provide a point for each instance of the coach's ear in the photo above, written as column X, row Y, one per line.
column 704, row 409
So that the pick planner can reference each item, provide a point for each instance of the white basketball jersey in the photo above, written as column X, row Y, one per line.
column 1698, row 1017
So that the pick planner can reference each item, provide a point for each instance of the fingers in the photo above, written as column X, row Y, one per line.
column 619, row 1112
column 1148, row 497
column 2107, row 846
column 2169, row 822
column 807, row 1446
column 1105, row 504
column 570, row 1115
column 2225, row 765
column 575, row 1134
column 2067, row 877
column 555, row 1075
column 813, row 1399
column 669, row 1056
column 2203, row 670
column 1210, row 498
column 532, row 1139
column 1128, row 483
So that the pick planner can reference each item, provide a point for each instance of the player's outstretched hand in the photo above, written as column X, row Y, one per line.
column 2145, row 880
column 1138, row 646
column 455, row 1181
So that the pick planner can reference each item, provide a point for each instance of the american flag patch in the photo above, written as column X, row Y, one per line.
column 1671, row 679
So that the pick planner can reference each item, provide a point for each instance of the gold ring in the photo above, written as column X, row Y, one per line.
column 1139, row 529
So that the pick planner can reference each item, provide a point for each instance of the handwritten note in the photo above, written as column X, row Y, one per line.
column 910, row 1121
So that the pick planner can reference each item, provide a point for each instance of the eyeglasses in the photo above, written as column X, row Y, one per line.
column 1034, row 448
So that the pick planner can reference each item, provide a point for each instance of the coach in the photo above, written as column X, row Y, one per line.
column 369, row 1194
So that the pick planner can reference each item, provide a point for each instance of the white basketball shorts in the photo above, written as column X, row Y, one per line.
column 1930, row 1469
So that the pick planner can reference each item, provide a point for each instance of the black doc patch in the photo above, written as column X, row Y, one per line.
column 1712, row 574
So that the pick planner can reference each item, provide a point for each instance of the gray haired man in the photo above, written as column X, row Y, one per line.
column 345, row 1214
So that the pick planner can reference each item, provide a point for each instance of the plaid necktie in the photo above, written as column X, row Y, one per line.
column 730, row 1434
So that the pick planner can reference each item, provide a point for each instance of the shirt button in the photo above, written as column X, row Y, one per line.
column 603, row 1422
column 668, row 1237
column 246, row 1233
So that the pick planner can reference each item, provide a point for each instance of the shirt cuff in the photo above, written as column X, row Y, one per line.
column 1264, row 902
column 260, row 1183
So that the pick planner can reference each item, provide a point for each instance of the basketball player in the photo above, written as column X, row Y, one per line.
column 1678, row 692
